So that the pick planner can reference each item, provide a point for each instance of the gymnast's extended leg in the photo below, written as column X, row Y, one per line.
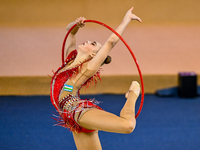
column 96, row 119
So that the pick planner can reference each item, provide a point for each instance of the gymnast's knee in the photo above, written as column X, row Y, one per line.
column 129, row 127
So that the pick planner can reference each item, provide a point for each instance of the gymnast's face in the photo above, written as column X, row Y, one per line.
column 90, row 48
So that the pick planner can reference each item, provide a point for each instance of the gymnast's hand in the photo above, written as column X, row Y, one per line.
column 80, row 22
column 130, row 16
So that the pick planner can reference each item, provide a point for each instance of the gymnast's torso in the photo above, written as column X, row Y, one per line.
column 77, row 80
column 65, row 86
column 73, row 85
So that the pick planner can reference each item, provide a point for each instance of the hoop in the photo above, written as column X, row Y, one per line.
column 139, row 71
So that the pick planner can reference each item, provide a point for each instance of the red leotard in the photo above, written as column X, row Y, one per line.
column 71, row 107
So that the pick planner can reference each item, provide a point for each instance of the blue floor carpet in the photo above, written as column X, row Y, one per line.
column 165, row 123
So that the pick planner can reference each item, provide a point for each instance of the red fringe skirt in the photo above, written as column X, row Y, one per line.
column 69, row 116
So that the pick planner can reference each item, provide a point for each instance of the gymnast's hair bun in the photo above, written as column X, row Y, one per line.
column 107, row 60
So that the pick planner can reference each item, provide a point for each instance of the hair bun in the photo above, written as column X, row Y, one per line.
column 107, row 60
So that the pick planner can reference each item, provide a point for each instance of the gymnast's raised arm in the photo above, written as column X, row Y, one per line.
column 96, row 62
column 71, row 40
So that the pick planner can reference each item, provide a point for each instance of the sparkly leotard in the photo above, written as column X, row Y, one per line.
column 65, row 94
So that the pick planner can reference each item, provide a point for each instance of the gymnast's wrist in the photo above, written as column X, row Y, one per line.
column 70, row 25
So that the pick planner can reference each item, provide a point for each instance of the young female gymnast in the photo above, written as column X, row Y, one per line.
column 82, row 116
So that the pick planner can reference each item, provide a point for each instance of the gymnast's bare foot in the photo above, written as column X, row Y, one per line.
column 135, row 87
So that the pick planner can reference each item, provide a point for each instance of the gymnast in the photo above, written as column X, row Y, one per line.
column 83, row 116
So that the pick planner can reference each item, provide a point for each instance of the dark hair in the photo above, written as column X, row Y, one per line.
column 107, row 60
